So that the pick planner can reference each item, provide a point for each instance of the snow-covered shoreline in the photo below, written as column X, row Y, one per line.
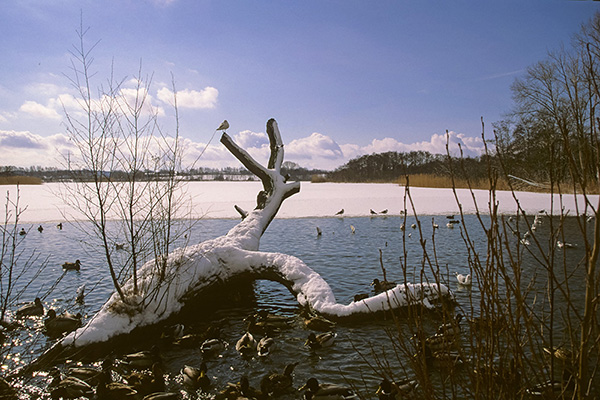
column 315, row 200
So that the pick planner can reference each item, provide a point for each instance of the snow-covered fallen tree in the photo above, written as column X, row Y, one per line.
column 192, row 269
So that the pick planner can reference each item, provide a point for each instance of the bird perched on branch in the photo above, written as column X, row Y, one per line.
column 224, row 125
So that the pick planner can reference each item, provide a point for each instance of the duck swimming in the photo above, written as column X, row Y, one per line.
column 265, row 346
column 246, row 344
column 76, row 266
column 69, row 387
column 31, row 309
column 277, row 384
column 196, row 378
column 56, row 325
column 464, row 280
column 313, row 390
column 142, row 359
column 321, row 340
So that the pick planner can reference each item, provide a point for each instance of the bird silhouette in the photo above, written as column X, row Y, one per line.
column 340, row 212
column 224, row 125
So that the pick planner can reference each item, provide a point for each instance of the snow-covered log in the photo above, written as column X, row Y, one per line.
column 193, row 269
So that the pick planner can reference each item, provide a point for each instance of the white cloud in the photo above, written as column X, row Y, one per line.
column 248, row 139
column 188, row 98
column 39, row 110
column 27, row 149
column 316, row 145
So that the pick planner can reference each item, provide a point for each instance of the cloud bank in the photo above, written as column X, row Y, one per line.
column 316, row 151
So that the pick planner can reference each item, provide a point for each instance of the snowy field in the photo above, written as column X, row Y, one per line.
column 216, row 200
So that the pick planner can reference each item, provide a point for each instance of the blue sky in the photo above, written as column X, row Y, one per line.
column 342, row 78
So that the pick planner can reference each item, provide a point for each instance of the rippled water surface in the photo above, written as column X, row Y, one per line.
column 347, row 261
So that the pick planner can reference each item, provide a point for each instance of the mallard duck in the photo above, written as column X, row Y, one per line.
column 313, row 390
column 441, row 341
column 192, row 339
column 89, row 375
column 211, row 347
column 76, row 266
column 444, row 358
column 561, row 354
column 172, row 332
column 142, row 359
column 9, row 324
column 265, row 346
column 276, row 384
column 464, row 280
column 31, row 309
column 318, row 323
column 246, row 345
column 274, row 320
column 321, row 340
column 56, row 325
column 360, row 296
column 382, row 286
column 69, row 387
column 22, row 232
column 553, row 387
column 196, row 378
column 257, row 327
column 396, row 390
column 145, row 383
column 239, row 391
column 40, row 229
column 452, row 327
column 109, row 390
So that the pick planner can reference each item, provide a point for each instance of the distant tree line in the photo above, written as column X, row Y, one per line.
column 390, row 166
column 54, row 174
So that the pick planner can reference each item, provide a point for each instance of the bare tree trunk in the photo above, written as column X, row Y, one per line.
column 275, row 189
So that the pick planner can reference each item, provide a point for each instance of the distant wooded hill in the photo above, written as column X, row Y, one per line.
column 392, row 166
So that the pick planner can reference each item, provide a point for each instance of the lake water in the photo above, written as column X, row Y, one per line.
column 347, row 261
